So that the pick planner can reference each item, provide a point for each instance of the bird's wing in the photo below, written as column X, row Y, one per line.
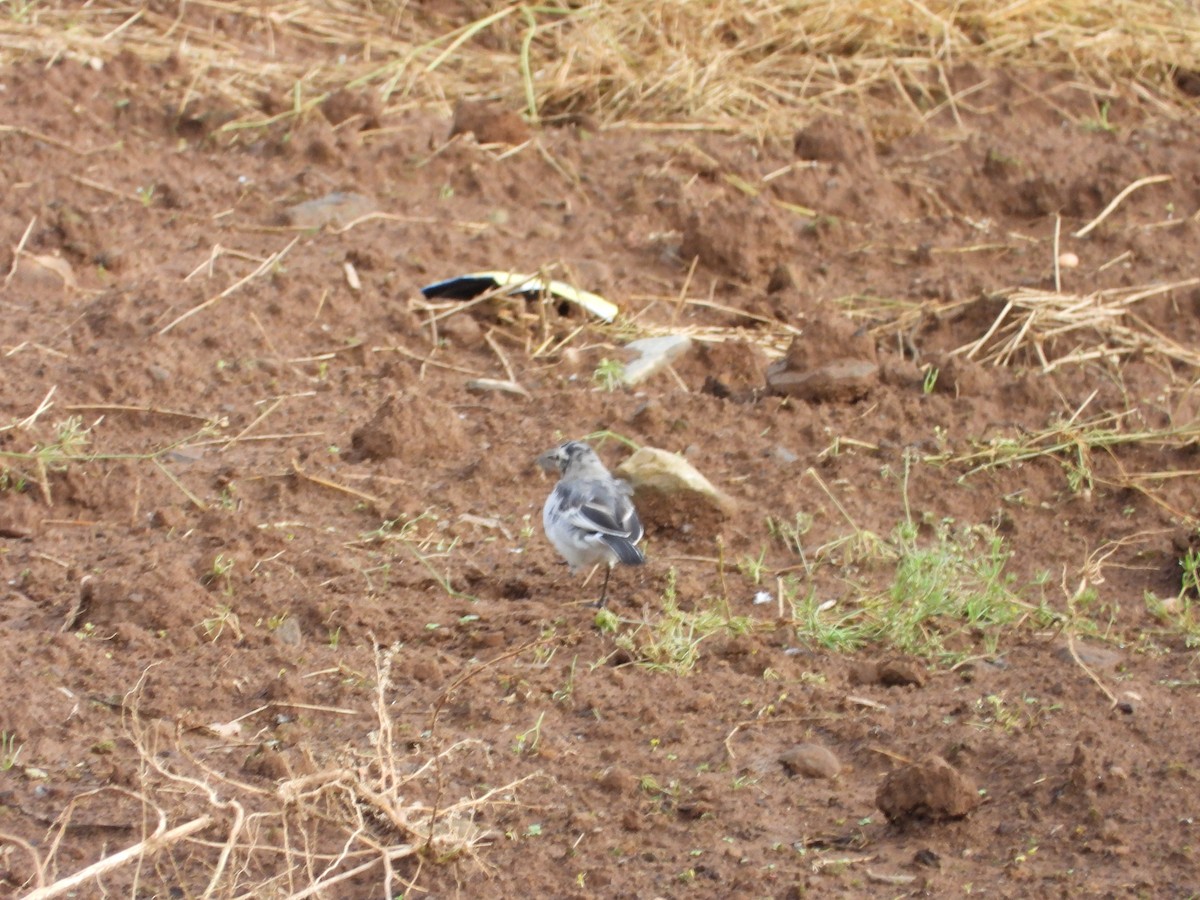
column 604, row 509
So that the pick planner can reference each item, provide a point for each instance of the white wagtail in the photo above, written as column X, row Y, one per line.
column 589, row 517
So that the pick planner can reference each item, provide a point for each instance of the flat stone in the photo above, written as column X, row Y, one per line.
column 654, row 355
column 831, row 361
column 843, row 380
column 337, row 209
column 1090, row 655
column 810, row 761
column 494, row 385
column 669, row 473
column 289, row 632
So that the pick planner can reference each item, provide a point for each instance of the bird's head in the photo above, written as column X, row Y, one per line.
column 570, row 454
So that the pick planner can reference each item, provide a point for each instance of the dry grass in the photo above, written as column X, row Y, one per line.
column 731, row 65
column 303, row 837
column 1053, row 329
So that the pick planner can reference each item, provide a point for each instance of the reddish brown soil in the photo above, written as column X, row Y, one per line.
column 278, row 427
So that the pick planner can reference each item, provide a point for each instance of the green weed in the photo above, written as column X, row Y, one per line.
column 608, row 374
column 672, row 642
column 10, row 751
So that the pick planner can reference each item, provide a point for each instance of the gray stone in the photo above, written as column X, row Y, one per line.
column 338, row 209
column 654, row 355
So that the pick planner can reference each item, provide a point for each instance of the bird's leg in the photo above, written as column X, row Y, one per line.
column 604, row 591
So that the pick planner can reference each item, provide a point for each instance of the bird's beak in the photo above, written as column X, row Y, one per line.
column 546, row 461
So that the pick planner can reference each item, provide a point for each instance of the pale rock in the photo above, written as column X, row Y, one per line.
column 654, row 355
column 669, row 473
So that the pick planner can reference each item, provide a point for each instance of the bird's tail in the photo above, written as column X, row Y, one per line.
column 627, row 552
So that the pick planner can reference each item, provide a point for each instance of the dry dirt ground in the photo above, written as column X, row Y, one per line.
column 274, row 583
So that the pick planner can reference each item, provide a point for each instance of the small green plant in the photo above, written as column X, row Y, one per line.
column 223, row 618
column 936, row 590
column 220, row 573
column 997, row 711
column 563, row 694
column 1101, row 122
column 1179, row 615
column 608, row 374
column 790, row 534
column 545, row 650
column 10, row 751
column 753, row 568
column 947, row 592
column 19, row 11
column 824, row 623
column 71, row 436
column 672, row 643
column 228, row 498
column 997, row 159
column 423, row 548
column 931, row 377
column 527, row 741
column 1190, row 580
column 607, row 621
column 666, row 796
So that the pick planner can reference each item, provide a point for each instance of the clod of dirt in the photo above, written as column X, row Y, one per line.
column 491, row 124
column 960, row 376
column 618, row 781
column 783, row 278
column 343, row 105
column 928, row 858
column 414, row 429
column 1188, row 82
column 731, row 370
column 738, row 240
column 462, row 329
column 892, row 672
column 810, row 761
column 337, row 209
column 836, row 139
column 202, row 116
column 931, row 790
column 901, row 672
column 18, row 517
column 829, row 362
column 166, row 596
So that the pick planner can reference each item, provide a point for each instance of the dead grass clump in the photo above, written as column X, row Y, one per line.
column 1058, row 329
column 739, row 66
column 348, row 823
